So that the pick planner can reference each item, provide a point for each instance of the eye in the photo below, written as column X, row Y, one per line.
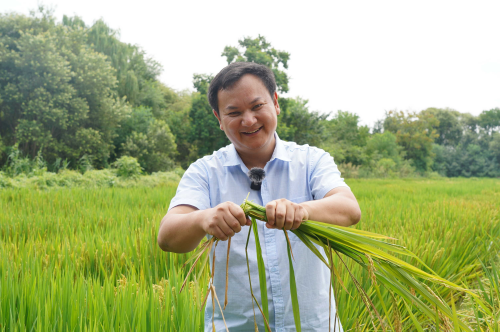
column 258, row 106
column 234, row 114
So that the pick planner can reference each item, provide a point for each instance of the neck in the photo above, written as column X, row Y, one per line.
column 258, row 158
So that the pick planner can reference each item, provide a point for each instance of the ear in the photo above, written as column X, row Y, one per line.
column 218, row 118
column 276, row 104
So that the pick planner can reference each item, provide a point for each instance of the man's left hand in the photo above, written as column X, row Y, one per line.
column 284, row 214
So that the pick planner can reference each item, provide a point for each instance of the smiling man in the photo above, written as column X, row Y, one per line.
column 301, row 183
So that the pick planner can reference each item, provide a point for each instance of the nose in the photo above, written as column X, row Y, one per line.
column 248, row 119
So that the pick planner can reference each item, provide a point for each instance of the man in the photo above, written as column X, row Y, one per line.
column 301, row 183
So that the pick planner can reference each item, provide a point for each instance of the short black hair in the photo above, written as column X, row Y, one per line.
column 231, row 74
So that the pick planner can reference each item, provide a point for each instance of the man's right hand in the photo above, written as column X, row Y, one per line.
column 225, row 220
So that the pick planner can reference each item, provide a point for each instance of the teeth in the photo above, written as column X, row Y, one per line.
column 251, row 132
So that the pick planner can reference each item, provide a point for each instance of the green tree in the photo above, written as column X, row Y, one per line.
column 384, row 145
column 2, row 148
column 206, row 136
column 416, row 133
column 136, row 73
column 260, row 51
column 139, row 121
column 298, row 124
column 345, row 139
column 490, row 120
column 178, row 107
column 449, row 130
column 56, row 92
column 495, row 147
column 155, row 150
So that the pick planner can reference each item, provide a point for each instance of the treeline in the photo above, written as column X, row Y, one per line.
column 75, row 96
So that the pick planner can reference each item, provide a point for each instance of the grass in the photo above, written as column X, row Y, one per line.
column 86, row 259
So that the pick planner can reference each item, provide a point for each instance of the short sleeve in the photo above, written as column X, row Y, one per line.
column 193, row 188
column 325, row 175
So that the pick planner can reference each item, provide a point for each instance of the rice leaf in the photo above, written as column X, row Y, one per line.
column 200, row 252
column 369, row 249
column 214, row 293
column 250, row 279
column 227, row 272
column 293, row 290
column 309, row 244
column 262, row 272
column 456, row 324
column 416, row 324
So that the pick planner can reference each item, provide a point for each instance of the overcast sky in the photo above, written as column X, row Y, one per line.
column 365, row 57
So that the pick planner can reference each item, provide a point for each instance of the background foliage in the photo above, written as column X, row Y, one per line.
column 74, row 96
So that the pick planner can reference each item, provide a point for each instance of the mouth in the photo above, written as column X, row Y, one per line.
column 250, row 133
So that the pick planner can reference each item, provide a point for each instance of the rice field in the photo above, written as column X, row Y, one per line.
column 79, row 259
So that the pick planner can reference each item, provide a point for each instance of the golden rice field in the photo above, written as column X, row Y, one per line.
column 87, row 259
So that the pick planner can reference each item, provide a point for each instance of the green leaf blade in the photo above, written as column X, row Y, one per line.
column 293, row 292
column 262, row 272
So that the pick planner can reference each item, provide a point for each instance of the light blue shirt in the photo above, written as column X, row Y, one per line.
column 296, row 172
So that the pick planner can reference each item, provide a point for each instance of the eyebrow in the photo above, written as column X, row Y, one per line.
column 230, row 107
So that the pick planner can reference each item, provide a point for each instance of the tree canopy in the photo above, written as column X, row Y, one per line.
column 74, row 95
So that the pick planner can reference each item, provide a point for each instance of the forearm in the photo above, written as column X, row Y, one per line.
column 181, row 233
column 339, row 208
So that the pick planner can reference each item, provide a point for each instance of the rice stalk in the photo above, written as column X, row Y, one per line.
column 371, row 253
column 220, row 308
column 262, row 274
column 293, row 289
column 227, row 271
column 250, row 279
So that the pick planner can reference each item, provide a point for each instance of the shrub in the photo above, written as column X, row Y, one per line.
column 127, row 167
column 348, row 170
column 85, row 164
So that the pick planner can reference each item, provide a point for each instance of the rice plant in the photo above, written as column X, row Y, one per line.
column 87, row 259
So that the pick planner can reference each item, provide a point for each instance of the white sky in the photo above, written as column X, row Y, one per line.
column 365, row 57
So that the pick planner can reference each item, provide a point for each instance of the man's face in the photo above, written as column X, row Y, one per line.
column 248, row 115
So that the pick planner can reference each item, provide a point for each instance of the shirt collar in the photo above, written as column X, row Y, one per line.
column 233, row 158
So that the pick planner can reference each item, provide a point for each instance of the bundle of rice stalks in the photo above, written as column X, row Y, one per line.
column 371, row 252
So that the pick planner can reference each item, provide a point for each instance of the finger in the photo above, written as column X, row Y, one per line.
column 249, row 222
column 238, row 214
column 298, row 217
column 289, row 216
column 296, row 223
column 271, row 213
column 233, row 223
column 225, row 228
column 280, row 215
column 218, row 233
